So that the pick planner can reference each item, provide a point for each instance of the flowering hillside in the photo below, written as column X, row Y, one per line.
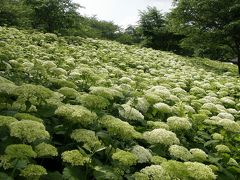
column 74, row 108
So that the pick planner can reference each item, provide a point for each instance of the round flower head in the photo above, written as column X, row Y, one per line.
column 19, row 151
column 88, row 137
column 68, row 92
column 200, row 171
column 75, row 158
column 232, row 162
column 222, row 148
column 180, row 152
column 217, row 136
column 175, row 169
column 229, row 125
column 6, row 120
column 228, row 102
column 161, row 136
column 125, row 158
column 199, row 92
column 28, row 130
column 33, row 171
column 210, row 107
column 25, row 116
column 94, row 102
column 225, row 115
column 44, row 149
column 153, row 172
column 130, row 113
column 105, row 92
column 142, row 105
column 76, row 114
column 198, row 154
column 232, row 111
column 157, row 125
column 144, row 155
column 162, row 108
column 117, row 127
column 178, row 123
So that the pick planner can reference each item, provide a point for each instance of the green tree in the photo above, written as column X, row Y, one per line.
column 155, row 33
column 131, row 35
column 211, row 27
column 57, row 16
column 104, row 29
column 15, row 13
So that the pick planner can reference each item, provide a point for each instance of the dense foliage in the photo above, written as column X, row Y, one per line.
column 211, row 27
column 74, row 108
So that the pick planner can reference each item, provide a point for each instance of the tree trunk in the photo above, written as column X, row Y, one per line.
column 238, row 61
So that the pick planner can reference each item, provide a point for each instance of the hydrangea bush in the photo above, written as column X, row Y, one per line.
column 75, row 108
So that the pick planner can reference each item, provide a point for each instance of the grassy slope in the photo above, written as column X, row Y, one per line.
column 71, row 70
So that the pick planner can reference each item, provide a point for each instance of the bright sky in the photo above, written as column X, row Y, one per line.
column 121, row 12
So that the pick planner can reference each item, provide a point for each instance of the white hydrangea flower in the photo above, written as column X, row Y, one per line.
column 153, row 172
column 232, row 162
column 130, row 113
column 225, row 115
column 119, row 128
column 210, row 106
column 162, row 108
column 44, row 149
column 189, row 109
column 88, row 137
column 233, row 111
column 142, row 105
column 227, row 101
column 6, row 120
column 108, row 93
column 75, row 158
column 178, row 123
column 200, row 171
column 76, row 114
column 217, row 136
column 222, row 148
column 161, row 136
column 180, row 152
column 157, row 125
column 197, row 91
column 33, row 171
column 198, row 154
column 124, row 157
column 229, row 125
column 144, row 155
column 28, row 130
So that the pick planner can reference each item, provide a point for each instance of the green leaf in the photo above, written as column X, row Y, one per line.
column 52, row 176
column 100, row 149
column 234, row 169
column 72, row 173
column 214, row 160
column 208, row 143
column 104, row 173
column 4, row 176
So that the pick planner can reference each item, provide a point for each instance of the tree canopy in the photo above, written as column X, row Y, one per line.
column 211, row 27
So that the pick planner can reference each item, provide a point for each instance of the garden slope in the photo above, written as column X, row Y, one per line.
column 74, row 108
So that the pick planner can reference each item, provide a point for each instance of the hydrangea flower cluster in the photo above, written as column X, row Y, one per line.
column 125, row 158
column 88, row 137
column 129, row 113
column 28, row 131
column 180, row 152
column 75, row 158
column 178, row 123
column 76, row 114
column 161, row 136
column 119, row 128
